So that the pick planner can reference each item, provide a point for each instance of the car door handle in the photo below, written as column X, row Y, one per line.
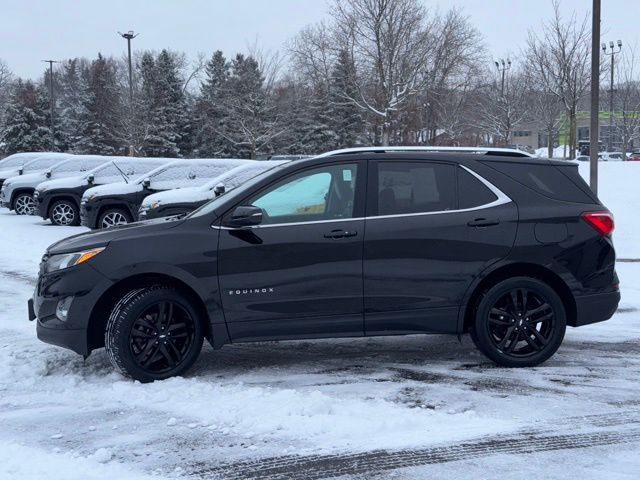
column 340, row 234
column 483, row 222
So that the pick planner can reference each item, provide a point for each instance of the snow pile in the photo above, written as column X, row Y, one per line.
column 558, row 152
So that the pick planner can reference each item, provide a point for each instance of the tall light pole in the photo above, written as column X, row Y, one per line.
column 502, row 67
column 128, row 37
column 595, row 97
column 612, row 53
column 51, row 104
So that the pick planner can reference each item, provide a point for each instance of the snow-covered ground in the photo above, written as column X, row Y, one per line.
column 403, row 407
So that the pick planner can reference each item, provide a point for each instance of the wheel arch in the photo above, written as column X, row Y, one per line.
column 63, row 196
column 520, row 269
column 113, row 206
column 100, row 311
column 17, row 192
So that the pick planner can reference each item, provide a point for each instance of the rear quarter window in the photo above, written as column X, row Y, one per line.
column 472, row 192
column 546, row 179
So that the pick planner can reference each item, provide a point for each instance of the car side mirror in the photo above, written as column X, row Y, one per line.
column 245, row 216
column 146, row 183
column 91, row 178
column 219, row 189
column 47, row 174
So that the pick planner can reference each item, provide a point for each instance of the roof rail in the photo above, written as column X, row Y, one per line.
column 505, row 152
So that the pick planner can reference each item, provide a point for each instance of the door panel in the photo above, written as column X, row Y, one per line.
column 418, row 266
column 299, row 273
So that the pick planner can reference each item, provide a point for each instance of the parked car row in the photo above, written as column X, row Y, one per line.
column 612, row 157
column 101, row 192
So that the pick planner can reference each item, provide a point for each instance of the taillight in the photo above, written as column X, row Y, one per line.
column 601, row 221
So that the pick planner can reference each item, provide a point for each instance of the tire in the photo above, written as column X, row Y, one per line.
column 150, row 354
column 113, row 217
column 64, row 213
column 523, row 330
column 23, row 204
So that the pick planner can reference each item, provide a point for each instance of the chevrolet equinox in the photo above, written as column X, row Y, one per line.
column 360, row 242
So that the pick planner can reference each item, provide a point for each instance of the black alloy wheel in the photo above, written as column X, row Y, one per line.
column 153, row 333
column 519, row 322
column 161, row 337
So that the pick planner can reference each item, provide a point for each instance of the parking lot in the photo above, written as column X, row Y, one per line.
column 405, row 407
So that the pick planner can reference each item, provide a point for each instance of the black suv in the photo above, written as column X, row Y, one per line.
column 59, row 199
column 353, row 243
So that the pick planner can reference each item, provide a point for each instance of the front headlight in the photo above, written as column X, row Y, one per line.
column 90, row 197
column 66, row 260
column 155, row 205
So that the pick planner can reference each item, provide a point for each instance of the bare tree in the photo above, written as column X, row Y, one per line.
column 545, row 112
column 558, row 56
column 500, row 111
column 390, row 41
column 627, row 99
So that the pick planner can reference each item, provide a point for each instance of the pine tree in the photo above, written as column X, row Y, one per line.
column 26, row 127
column 347, row 119
column 253, row 124
column 101, row 119
column 166, row 108
column 71, row 103
column 209, row 109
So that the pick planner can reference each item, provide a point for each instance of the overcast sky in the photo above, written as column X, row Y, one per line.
column 32, row 30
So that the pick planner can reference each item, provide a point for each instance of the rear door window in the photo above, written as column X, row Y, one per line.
column 415, row 187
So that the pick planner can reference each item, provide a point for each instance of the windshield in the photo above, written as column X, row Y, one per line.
column 131, row 168
column 182, row 175
column 14, row 162
column 39, row 164
column 237, row 192
column 78, row 165
column 239, row 175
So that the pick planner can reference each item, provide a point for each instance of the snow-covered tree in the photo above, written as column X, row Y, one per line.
column 164, row 105
column 26, row 127
column 253, row 121
column 101, row 119
column 71, row 103
column 210, row 116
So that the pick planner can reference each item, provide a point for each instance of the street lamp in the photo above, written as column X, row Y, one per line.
column 502, row 67
column 128, row 37
column 612, row 53
column 51, row 103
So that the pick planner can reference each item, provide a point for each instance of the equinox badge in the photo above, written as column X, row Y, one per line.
column 247, row 291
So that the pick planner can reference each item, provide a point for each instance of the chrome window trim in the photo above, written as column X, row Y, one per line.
column 501, row 200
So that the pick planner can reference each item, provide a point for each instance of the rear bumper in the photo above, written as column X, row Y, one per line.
column 596, row 308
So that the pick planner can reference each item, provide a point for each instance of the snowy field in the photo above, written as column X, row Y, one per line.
column 404, row 407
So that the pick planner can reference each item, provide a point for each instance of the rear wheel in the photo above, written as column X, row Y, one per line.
column 113, row 217
column 153, row 333
column 23, row 204
column 519, row 322
column 64, row 213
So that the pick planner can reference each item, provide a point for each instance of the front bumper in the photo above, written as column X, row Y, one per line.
column 88, row 214
column 41, row 204
column 85, row 285
column 596, row 308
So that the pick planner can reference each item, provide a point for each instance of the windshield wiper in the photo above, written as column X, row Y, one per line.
column 126, row 179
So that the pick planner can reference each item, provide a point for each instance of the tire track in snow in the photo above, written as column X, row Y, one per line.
column 316, row 467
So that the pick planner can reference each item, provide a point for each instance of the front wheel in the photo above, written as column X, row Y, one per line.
column 24, row 204
column 64, row 213
column 519, row 322
column 113, row 217
column 153, row 333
